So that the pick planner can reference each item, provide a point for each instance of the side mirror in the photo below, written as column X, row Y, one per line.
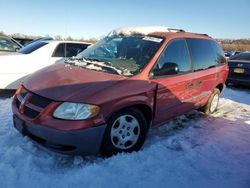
column 167, row 69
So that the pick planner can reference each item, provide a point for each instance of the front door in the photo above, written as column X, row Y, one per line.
column 174, row 91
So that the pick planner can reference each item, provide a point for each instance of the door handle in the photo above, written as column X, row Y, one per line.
column 190, row 85
column 199, row 83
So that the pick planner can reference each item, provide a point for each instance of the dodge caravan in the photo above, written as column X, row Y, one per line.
column 105, row 99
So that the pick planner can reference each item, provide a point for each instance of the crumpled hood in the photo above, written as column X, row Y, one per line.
column 62, row 82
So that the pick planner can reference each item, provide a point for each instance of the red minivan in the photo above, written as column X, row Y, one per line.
column 105, row 99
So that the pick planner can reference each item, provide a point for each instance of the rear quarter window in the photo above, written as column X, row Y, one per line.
column 72, row 49
column 60, row 50
column 202, row 54
column 68, row 49
column 218, row 52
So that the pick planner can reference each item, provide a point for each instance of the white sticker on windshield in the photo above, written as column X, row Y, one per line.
column 153, row 39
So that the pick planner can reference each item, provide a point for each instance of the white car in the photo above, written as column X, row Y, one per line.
column 14, row 67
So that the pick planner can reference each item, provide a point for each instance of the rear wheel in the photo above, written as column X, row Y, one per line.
column 126, row 132
column 212, row 103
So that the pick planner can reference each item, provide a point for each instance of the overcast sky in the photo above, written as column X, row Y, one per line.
column 92, row 18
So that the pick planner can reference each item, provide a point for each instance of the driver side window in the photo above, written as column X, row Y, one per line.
column 175, row 53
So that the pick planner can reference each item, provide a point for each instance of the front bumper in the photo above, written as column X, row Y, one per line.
column 78, row 142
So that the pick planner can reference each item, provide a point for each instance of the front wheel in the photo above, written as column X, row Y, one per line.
column 126, row 132
column 212, row 103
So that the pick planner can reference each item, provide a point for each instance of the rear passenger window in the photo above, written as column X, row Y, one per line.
column 59, row 51
column 202, row 54
column 175, row 52
column 74, row 49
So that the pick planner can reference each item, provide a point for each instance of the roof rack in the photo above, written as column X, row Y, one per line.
column 182, row 30
column 176, row 30
column 204, row 34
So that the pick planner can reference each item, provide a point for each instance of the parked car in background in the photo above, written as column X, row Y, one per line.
column 23, row 41
column 40, row 39
column 229, row 54
column 108, row 96
column 27, row 41
column 239, row 69
column 16, row 66
column 8, row 44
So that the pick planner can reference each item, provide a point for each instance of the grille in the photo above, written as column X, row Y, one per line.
column 33, row 99
column 30, row 112
column 23, row 92
column 40, row 101
column 18, row 103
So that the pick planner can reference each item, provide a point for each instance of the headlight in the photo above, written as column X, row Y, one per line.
column 75, row 111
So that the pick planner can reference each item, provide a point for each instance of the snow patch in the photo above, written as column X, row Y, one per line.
column 96, row 65
column 192, row 150
column 139, row 30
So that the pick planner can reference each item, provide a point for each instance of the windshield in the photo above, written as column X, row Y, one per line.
column 32, row 47
column 8, row 45
column 125, row 55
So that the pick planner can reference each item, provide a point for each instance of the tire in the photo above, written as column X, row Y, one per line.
column 126, row 132
column 212, row 103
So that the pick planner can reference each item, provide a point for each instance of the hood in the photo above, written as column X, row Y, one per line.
column 62, row 82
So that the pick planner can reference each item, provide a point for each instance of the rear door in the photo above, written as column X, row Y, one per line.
column 174, row 91
column 204, row 62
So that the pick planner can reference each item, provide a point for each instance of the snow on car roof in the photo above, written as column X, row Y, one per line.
column 145, row 30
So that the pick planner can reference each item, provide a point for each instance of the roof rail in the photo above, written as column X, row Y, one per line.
column 181, row 30
column 176, row 30
column 204, row 34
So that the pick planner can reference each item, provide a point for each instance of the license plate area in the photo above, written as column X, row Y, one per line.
column 239, row 70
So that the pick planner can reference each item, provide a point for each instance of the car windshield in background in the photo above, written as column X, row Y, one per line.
column 32, row 47
column 124, row 55
column 241, row 56
column 8, row 45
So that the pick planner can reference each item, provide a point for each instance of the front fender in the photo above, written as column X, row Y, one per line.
column 146, row 99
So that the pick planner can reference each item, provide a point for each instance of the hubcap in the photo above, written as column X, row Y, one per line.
column 214, row 103
column 125, row 132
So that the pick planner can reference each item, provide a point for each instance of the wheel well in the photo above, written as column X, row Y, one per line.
column 147, row 112
column 220, row 87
